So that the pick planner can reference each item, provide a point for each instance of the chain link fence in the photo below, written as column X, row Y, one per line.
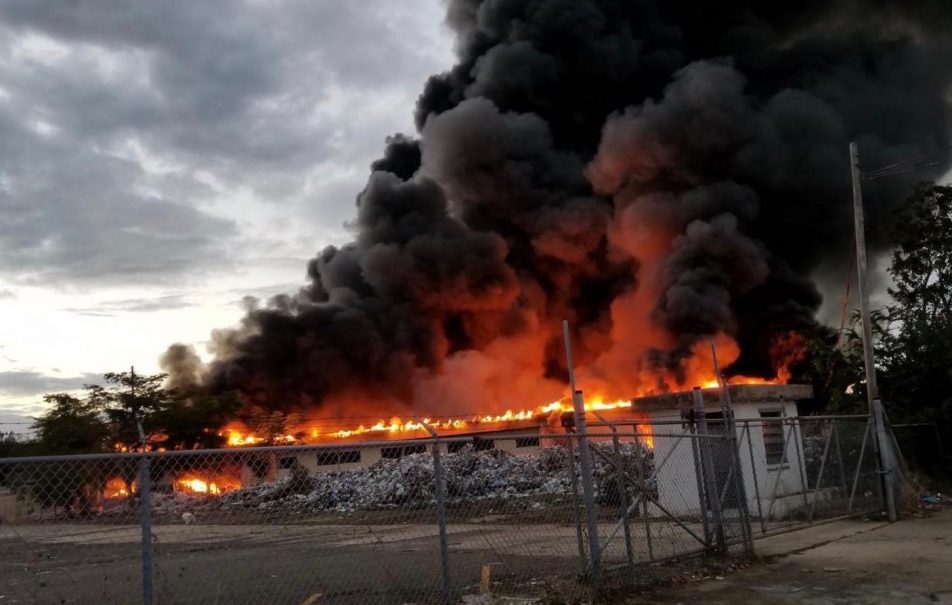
column 521, row 514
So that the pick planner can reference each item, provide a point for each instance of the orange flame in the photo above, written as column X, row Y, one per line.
column 238, row 435
column 116, row 487
column 194, row 483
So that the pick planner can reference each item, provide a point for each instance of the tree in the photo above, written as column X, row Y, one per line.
column 915, row 348
column 833, row 364
column 130, row 401
column 71, row 426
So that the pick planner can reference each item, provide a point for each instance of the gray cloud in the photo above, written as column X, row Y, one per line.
column 7, row 294
column 134, row 305
column 23, row 383
column 122, row 129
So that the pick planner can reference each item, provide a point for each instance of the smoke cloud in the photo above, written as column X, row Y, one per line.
column 658, row 173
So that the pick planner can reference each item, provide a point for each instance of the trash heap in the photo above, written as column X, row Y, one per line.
column 408, row 482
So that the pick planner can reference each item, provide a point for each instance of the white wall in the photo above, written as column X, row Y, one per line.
column 675, row 459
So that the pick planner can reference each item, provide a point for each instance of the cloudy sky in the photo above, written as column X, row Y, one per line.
column 161, row 160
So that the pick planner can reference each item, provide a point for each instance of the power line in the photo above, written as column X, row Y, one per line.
column 924, row 161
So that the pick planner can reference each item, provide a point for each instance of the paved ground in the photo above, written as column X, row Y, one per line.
column 842, row 562
column 905, row 562
column 60, row 563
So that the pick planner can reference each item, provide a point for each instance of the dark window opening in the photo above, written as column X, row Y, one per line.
column 456, row 446
column 481, row 445
column 399, row 451
column 287, row 462
column 775, row 450
column 527, row 442
column 349, row 457
column 332, row 458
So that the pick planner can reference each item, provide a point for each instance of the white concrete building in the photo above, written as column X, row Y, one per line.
column 769, row 446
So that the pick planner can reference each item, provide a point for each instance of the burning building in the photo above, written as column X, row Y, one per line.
column 658, row 173
column 771, row 477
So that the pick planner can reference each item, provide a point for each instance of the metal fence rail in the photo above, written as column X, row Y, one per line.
column 422, row 521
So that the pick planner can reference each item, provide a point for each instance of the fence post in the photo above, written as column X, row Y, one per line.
column 819, row 478
column 859, row 465
column 797, row 428
column 145, row 503
column 588, row 485
column 698, row 475
column 839, row 456
column 734, row 442
column 753, row 470
column 712, row 498
column 440, row 487
column 623, row 499
column 570, row 454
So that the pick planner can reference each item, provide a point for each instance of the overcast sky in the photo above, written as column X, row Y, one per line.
column 161, row 160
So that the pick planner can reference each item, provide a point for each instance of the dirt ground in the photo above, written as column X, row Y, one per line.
column 848, row 562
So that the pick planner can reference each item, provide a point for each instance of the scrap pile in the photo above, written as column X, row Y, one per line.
column 406, row 482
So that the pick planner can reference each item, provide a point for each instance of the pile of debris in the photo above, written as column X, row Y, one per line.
column 408, row 482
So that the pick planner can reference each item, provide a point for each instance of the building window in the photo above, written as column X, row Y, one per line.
column 287, row 462
column 349, row 457
column 456, row 446
column 400, row 451
column 481, row 445
column 775, row 450
column 527, row 442
column 334, row 458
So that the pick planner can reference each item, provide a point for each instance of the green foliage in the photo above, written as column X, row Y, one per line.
column 108, row 416
column 72, row 426
column 915, row 347
column 833, row 364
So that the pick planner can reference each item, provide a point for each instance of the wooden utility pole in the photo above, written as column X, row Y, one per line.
column 881, row 442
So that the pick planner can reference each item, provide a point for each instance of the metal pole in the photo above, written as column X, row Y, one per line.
column 145, row 503
column 623, row 499
column 440, row 486
column 839, row 454
column 588, row 485
column 579, row 534
column 753, row 470
column 797, row 438
column 707, row 463
column 859, row 466
column 872, row 388
column 643, row 485
column 885, row 459
column 698, row 474
column 584, row 457
column 819, row 478
column 734, row 443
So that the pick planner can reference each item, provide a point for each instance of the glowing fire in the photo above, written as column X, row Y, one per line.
column 237, row 435
column 116, row 487
column 196, row 484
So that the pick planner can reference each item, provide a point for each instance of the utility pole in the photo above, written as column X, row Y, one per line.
column 872, row 388
column 859, row 227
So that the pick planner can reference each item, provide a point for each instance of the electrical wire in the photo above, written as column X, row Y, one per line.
column 924, row 161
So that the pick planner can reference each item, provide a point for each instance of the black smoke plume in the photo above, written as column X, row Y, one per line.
column 656, row 172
